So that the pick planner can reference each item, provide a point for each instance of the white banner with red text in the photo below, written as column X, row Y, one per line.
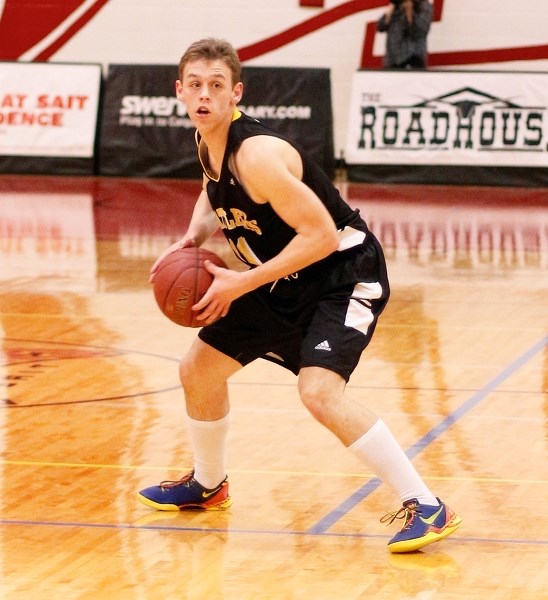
column 49, row 111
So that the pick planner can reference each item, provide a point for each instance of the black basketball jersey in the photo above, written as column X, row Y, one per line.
column 254, row 231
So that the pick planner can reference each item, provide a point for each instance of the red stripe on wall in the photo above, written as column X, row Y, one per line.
column 447, row 59
column 496, row 55
column 19, row 33
column 22, row 27
column 72, row 30
column 309, row 26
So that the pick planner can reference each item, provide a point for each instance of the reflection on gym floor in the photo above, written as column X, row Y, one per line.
column 92, row 408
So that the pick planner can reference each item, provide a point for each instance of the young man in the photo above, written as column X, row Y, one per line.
column 310, row 300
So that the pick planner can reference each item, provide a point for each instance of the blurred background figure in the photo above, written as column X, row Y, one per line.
column 406, row 23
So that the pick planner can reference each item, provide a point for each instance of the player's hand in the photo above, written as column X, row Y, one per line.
column 182, row 243
column 225, row 288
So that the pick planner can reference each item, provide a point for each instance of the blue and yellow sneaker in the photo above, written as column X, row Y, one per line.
column 423, row 525
column 186, row 493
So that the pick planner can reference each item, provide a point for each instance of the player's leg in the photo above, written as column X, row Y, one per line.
column 323, row 393
column 342, row 327
column 426, row 518
column 204, row 372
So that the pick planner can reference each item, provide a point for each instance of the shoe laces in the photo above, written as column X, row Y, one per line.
column 406, row 512
column 172, row 483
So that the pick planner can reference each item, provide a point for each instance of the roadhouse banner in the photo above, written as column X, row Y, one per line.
column 146, row 131
column 457, row 118
column 48, row 117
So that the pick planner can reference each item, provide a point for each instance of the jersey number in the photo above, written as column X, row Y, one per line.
column 244, row 252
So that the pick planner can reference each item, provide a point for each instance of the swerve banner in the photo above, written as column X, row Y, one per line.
column 146, row 131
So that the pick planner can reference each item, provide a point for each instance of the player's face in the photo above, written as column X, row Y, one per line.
column 207, row 91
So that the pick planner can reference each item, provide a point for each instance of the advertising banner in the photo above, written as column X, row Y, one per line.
column 48, row 117
column 146, row 131
column 457, row 118
column 296, row 103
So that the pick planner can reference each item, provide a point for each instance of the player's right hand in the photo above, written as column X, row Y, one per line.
column 182, row 243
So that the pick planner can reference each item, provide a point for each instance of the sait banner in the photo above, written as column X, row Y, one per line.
column 48, row 117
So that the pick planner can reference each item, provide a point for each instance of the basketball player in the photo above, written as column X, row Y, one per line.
column 310, row 300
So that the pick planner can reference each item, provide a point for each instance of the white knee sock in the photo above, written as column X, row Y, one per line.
column 384, row 456
column 209, row 445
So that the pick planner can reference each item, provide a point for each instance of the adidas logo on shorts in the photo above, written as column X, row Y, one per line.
column 323, row 346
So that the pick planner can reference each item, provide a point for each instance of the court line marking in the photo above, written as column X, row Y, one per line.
column 321, row 528
column 343, row 509
column 231, row 531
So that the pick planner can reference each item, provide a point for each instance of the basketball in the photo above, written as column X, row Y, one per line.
column 180, row 281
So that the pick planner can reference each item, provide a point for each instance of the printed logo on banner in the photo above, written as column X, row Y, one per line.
column 465, row 118
column 278, row 112
column 167, row 111
column 464, row 124
column 153, row 111
column 48, row 110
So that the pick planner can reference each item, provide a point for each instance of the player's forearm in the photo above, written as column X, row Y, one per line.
column 203, row 222
column 200, row 230
column 302, row 251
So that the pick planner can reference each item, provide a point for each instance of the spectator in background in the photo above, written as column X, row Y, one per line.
column 406, row 23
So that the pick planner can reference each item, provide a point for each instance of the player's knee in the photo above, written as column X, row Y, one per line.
column 188, row 375
column 315, row 397
column 199, row 377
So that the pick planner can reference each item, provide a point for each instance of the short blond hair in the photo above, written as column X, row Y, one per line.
column 213, row 49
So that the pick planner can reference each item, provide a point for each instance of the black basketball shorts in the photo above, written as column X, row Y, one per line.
column 330, row 331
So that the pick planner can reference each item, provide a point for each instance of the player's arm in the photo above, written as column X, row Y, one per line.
column 271, row 171
column 203, row 224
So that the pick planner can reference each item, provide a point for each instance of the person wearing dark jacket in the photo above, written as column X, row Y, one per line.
column 406, row 23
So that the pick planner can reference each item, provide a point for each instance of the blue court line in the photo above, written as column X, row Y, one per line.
column 230, row 531
column 338, row 513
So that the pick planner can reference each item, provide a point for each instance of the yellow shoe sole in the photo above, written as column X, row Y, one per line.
column 425, row 540
column 223, row 505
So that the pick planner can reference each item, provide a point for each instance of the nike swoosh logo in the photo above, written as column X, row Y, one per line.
column 209, row 494
column 432, row 518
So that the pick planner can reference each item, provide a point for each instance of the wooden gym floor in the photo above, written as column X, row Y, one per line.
column 92, row 410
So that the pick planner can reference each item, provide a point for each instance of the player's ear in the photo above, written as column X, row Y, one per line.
column 179, row 89
column 237, row 92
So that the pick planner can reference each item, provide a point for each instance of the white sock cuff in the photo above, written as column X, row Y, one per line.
column 198, row 424
column 369, row 435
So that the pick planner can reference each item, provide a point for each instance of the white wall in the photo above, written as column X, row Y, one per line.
column 144, row 31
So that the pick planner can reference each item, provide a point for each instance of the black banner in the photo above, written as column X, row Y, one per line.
column 146, row 131
column 296, row 103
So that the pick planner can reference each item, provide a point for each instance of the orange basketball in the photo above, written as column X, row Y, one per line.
column 180, row 281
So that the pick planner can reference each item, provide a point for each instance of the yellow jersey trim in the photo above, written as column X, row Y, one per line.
column 202, row 150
